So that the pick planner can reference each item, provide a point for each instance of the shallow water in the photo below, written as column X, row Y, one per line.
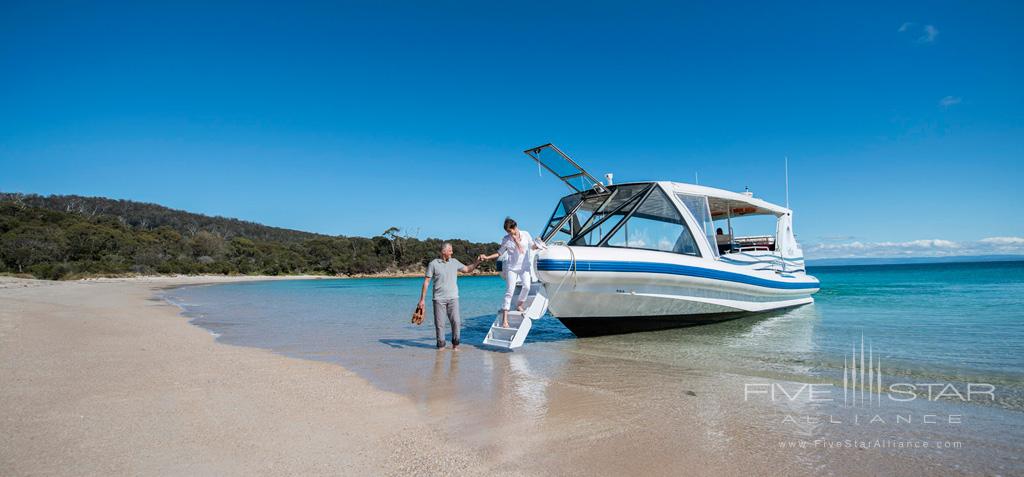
column 948, row 323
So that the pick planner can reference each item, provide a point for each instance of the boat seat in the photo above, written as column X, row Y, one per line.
column 724, row 242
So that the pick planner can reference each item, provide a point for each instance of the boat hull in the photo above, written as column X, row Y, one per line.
column 617, row 325
column 596, row 291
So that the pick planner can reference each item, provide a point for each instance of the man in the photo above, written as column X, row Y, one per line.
column 723, row 241
column 445, row 272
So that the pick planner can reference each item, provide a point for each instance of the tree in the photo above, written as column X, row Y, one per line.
column 60, row 236
column 206, row 244
column 31, row 245
column 88, row 241
column 392, row 234
column 242, row 253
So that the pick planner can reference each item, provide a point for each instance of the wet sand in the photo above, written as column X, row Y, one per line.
column 102, row 377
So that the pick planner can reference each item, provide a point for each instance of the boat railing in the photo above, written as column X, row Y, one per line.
column 755, row 248
column 753, row 243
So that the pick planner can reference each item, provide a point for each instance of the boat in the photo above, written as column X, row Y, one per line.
column 653, row 255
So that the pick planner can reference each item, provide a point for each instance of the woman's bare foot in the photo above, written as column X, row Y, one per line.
column 519, row 307
column 504, row 318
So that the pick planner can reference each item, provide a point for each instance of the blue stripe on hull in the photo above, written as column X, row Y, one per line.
column 669, row 269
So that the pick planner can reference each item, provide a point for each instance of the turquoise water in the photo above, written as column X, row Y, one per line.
column 956, row 323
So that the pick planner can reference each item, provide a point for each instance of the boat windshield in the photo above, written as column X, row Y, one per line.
column 655, row 224
column 604, row 220
column 576, row 215
column 629, row 216
column 564, row 168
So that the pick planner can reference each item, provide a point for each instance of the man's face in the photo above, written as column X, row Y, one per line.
column 446, row 253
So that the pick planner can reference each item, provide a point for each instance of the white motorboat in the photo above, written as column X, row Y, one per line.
column 642, row 256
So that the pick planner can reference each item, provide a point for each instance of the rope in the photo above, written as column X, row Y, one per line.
column 570, row 271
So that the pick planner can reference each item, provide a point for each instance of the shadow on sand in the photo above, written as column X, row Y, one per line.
column 399, row 343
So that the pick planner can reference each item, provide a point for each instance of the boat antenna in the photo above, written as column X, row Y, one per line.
column 786, row 165
column 696, row 180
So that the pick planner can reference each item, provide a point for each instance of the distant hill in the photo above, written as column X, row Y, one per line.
column 70, row 236
column 146, row 216
column 836, row 262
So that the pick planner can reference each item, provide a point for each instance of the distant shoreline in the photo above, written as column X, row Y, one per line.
column 301, row 276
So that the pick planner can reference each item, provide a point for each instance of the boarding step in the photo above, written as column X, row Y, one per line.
column 520, row 322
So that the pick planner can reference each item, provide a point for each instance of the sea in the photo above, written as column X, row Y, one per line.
column 949, row 337
column 950, row 322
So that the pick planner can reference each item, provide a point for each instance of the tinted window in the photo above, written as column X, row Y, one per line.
column 698, row 206
column 608, row 214
column 574, row 225
column 656, row 225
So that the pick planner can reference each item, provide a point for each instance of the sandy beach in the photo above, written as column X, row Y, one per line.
column 102, row 377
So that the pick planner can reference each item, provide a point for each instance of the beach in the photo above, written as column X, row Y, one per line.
column 100, row 378
column 105, row 377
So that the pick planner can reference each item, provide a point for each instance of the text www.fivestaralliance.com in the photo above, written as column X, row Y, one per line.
column 828, row 444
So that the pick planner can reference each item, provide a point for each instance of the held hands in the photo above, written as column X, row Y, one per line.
column 481, row 258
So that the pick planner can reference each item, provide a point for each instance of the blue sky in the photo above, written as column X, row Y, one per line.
column 903, row 122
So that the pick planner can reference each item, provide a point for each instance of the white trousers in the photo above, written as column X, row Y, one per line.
column 510, row 287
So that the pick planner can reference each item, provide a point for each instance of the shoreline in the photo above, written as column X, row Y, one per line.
column 9, row 278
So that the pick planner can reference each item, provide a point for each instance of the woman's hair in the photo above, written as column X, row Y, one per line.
column 509, row 223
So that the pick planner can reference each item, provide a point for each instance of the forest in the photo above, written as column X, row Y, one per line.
column 65, row 237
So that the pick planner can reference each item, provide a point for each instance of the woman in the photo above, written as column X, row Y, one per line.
column 518, row 246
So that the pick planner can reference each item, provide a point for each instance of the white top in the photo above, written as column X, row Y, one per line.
column 719, row 200
column 517, row 261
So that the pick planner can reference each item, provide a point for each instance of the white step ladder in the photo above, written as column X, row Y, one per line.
column 519, row 322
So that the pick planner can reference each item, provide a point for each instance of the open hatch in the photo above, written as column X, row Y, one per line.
column 559, row 164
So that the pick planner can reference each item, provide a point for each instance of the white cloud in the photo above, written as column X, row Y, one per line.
column 950, row 101
column 930, row 32
column 833, row 238
column 1003, row 241
column 921, row 244
column 917, row 248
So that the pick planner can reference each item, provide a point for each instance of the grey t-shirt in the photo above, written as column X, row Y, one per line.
column 445, row 276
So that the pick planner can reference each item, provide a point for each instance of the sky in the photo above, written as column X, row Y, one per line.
column 903, row 122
